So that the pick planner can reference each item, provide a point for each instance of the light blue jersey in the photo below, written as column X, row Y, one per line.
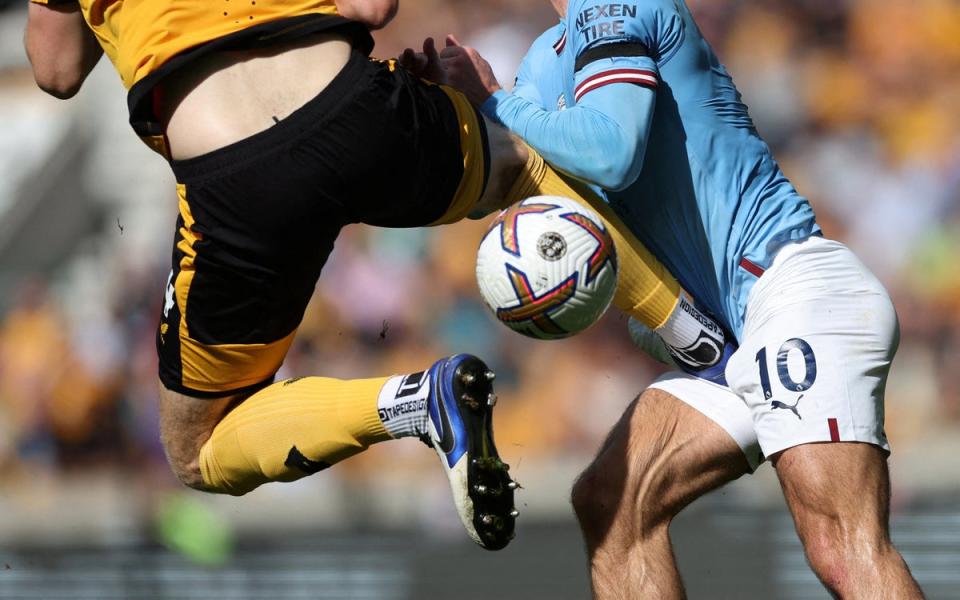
column 653, row 117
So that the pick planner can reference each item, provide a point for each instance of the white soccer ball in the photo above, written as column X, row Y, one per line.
column 547, row 267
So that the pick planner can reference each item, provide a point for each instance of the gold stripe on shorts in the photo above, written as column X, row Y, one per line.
column 216, row 367
column 471, row 145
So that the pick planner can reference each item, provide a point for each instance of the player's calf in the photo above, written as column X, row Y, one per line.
column 659, row 457
column 612, row 498
column 298, row 427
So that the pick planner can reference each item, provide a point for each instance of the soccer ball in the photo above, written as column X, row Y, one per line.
column 547, row 267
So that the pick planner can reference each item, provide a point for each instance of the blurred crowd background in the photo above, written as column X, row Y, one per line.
column 860, row 100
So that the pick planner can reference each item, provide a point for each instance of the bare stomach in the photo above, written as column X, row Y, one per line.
column 229, row 96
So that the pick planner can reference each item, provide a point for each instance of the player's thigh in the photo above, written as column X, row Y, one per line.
column 438, row 156
column 247, row 252
column 839, row 494
column 660, row 456
column 817, row 343
column 408, row 153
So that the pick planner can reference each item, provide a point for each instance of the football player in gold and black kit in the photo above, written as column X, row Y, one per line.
column 280, row 130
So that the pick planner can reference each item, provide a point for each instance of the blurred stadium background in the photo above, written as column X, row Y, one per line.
column 860, row 100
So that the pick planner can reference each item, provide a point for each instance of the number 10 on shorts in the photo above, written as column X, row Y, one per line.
column 783, row 372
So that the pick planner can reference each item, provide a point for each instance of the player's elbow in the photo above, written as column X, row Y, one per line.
column 58, row 85
column 61, row 79
column 383, row 13
column 615, row 163
column 612, row 172
column 615, row 146
column 375, row 14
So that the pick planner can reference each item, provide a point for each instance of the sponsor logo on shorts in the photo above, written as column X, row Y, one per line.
column 168, row 296
column 791, row 407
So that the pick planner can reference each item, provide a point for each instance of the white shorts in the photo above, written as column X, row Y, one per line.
column 819, row 335
column 718, row 404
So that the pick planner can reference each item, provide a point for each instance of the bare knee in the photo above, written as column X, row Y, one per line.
column 593, row 497
column 842, row 554
column 827, row 557
column 185, row 425
column 602, row 495
column 508, row 158
column 661, row 456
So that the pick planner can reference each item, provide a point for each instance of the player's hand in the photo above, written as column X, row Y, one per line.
column 424, row 64
column 467, row 71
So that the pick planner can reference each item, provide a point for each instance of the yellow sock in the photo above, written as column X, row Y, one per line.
column 646, row 289
column 291, row 429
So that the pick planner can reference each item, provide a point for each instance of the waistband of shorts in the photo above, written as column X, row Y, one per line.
column 300, row 122
column 797, row 246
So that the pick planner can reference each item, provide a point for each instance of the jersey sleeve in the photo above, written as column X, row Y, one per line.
column 621, row 43
column 602, row 145
column 602, row 139
column 541, row 54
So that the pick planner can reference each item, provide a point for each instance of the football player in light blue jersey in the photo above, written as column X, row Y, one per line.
column 629, row 97
column 708, row 199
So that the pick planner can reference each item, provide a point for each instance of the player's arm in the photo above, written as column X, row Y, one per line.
column 528, row 73
column 61, row 48
column 375, row 14
column 602, row 139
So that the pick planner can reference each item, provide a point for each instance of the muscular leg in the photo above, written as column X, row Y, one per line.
column 283, row 432
column 660, row 456
column 839, row 495
column 185, row 425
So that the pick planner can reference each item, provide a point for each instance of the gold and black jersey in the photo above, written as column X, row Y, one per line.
column 148, row 39
column 258, row 218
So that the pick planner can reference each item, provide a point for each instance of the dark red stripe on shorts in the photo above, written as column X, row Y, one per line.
column 751, row 268
column 834, row 430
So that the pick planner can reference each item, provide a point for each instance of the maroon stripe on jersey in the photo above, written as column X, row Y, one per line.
column 640, row 77
column 834, row 430
column 561, row 43
column 751, row 268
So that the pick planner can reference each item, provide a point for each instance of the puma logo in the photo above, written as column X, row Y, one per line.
column 792, row 408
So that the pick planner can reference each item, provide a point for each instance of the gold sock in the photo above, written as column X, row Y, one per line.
column 291, row 429
column 646, row 289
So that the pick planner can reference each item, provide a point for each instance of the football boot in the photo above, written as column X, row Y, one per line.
column 460, row 429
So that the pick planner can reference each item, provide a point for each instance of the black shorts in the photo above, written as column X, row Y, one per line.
column 258, row 218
